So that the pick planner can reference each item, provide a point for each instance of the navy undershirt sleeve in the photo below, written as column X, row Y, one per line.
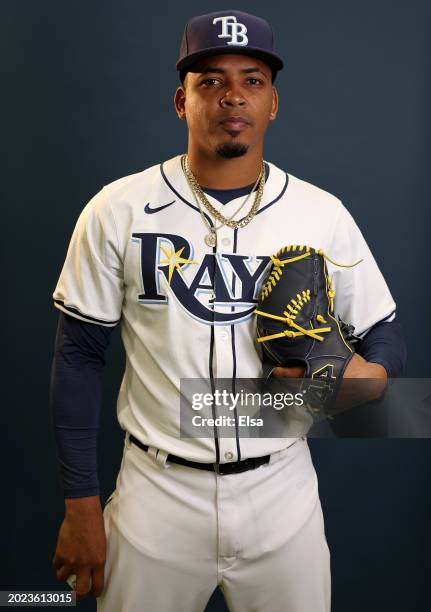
column 384, row 344
column 75, row 400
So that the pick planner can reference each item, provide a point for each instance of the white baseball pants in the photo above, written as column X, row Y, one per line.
column 175, row 533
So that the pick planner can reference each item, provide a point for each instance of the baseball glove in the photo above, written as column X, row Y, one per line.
column 296, row 322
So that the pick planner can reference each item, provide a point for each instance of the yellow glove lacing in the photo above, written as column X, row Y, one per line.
column 295, row 304
column 278, row 265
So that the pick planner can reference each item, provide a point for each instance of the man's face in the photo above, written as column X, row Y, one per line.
column 227, row 102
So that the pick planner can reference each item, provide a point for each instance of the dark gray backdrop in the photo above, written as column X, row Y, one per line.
column 87, row 98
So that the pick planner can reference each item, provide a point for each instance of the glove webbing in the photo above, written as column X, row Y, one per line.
column 278, row 265
column 289, row 317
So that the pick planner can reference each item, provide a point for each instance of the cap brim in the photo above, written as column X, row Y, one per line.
column 274, row 61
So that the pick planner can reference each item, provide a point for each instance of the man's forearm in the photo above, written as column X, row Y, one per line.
column 384, row 345
column 75, row 401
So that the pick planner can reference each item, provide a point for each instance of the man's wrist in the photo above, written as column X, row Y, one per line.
column 80, row 505
column 377, row 371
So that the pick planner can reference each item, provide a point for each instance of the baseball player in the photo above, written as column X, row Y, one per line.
column 176, row 255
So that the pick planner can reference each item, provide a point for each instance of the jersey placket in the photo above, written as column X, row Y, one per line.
column 224, row 349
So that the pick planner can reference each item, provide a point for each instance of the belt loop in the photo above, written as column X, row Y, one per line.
column 152, row 451
column 127, row 441
column 161, row 457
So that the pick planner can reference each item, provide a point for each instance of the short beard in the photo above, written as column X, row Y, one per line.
column 230, row 150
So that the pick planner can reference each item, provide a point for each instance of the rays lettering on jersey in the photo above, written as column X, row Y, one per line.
column 219, row 289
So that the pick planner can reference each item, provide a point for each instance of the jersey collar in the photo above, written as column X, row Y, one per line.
column 176, row 181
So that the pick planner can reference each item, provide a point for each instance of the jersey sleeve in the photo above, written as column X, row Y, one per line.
column 362, row 296
column 91, row 286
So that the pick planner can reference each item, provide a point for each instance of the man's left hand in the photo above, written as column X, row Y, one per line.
column 357, row 367
column 349, row 395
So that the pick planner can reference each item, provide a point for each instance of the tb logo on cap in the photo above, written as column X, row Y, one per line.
column 232, row 29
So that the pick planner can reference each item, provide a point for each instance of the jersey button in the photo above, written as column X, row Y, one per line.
column 228, row 456
column 224, row 335
column 225, row 241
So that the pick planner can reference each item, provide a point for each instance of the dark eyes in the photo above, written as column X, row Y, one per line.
column 209, row 82
column 212, row 81
column 255, row 81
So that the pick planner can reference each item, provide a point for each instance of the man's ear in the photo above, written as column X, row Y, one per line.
column 180, row 102
column 274, row 107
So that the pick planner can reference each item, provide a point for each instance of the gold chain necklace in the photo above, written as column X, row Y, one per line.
column 211, row 238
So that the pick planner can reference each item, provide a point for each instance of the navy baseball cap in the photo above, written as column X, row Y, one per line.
column 227, row 31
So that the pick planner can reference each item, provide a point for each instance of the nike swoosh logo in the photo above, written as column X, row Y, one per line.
column 150, row 211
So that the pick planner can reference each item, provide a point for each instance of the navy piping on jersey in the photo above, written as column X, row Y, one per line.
column 238, row 446
column 77, row 312
column 388, row 317
column 235, row 410
column 275, row 199
column 211, row 357
column 172, row 188
column 211, row 372
column 378, row 323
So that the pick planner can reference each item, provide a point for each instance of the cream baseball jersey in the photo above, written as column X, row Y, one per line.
column 138, row 257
